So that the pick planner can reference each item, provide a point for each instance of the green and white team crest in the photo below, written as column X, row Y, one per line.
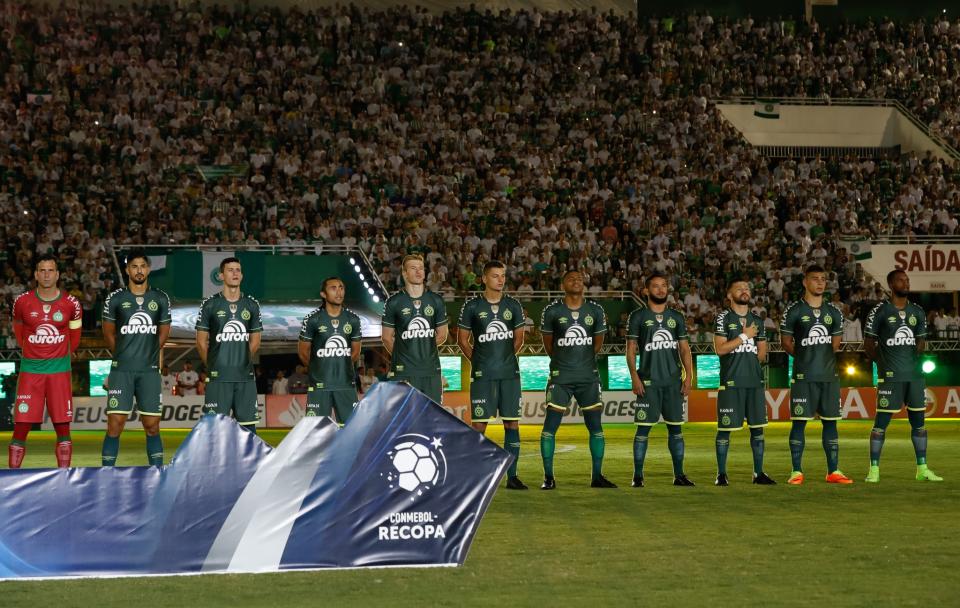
column 798, row 410
column 153, row 306
column 478, row 411
column 23, row 408
column 428, row 310
column 725, row 420
column 214, row 278
column 671, row 323
column 245, row 315
column 114, row 402
column 641, row 414
column 347, row 329
column 884, row 402
column 58, row 316
column 507, row 315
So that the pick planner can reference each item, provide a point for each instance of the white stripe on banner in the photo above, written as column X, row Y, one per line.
column 211, row 269
column 255, row 533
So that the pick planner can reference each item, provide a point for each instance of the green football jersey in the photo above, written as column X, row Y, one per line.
column 658, row 336
column 813, row 330
column 230, row 325
column 331, row 343
column 138, row 320
column 492, row 326
column 741, row 367
column 573, row 358
column 896, row 332
column 415, row 321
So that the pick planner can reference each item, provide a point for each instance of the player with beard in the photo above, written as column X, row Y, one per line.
column 741, row 343
column 573, row 329
column 894, row 339
column 663, row 377
column 143, row 315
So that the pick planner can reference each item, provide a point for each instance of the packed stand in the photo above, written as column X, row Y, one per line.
column 548, row 140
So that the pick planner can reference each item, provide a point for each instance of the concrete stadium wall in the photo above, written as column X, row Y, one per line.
column 842, row 126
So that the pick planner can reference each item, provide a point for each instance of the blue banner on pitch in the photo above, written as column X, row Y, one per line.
column 403, row 484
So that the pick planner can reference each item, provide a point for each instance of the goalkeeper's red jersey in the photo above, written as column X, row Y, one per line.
column 47, row 331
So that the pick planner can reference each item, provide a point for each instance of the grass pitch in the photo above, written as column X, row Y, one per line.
column 894, row 544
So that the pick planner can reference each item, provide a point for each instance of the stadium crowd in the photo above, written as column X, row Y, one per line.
column 548, row 140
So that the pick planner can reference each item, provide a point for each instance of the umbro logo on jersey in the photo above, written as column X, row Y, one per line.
column 497, row 330
column 233, row 331
column 903, row 337
column 336, row 346
column 576, row 335
column 418, row 328
column 818, row 335
column 139, row 323
column 662, row 340
column 46, row 334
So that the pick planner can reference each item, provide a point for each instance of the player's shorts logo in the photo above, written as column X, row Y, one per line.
column 139, row 323
column 113, row 402
column 576, row 335
column 798, row 410
column 478, row 411
column 903, row 337
column 46, row 334
column 725, row 421
column 233, row 331
column 336, row 346
column 662, row 340
column 817, row 335
column 23, row 408
column 417, row 465
column 884, row 402
column 496, row 331
column 641, row 414
column 418, row 328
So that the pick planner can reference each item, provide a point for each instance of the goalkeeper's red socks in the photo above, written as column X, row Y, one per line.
column 64, row 447
column 15, row 454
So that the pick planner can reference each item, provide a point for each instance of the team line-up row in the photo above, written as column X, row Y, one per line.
column 136, row 323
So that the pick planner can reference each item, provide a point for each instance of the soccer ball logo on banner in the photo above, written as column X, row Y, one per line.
column 417, row 465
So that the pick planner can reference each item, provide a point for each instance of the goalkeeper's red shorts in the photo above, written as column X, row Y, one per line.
column 35, row 390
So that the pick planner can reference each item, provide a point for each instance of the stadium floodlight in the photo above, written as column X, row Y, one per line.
column 370, row 290
column 376, row 298
column 851, row 370
column 357, row 268
column 361, row 276
column 928, row 366
column 353, row 261
column 367, row 285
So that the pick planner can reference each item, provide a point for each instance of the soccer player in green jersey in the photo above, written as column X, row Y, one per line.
column 330, row 348
column 741, row 342
column 414, row 324
column 228, row 335
column 664, row 376
column 573, row 329
column 811, row 331
column 491, row 332
column 894, row 339
column 143, row 316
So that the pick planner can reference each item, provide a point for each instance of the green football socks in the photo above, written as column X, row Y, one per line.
column 511, row 443
column 155, row 450
column 109, row 451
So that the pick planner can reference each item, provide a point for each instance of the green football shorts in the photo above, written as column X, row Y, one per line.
column 733, row 404
column 892, row 396
column 237, row 397
column 490, row 397
column 587, row 394
column 123, row 387
column 657, row 401
column 809, row 399
column 324, row 402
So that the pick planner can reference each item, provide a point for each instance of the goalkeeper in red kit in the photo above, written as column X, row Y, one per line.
column 47, row 324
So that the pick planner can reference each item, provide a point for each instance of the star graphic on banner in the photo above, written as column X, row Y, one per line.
column 436, row 443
